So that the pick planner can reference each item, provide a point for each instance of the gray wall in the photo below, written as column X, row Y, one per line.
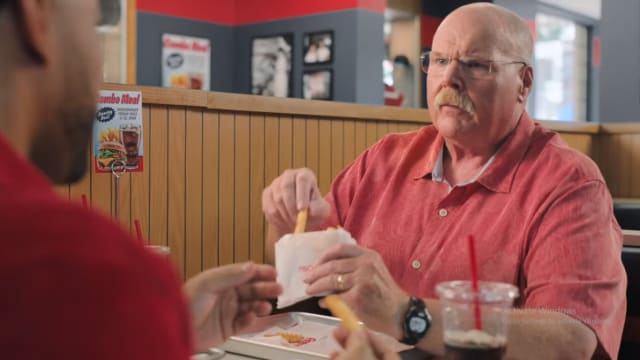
column 357, row 54
column 620, row 70
column 149, row 47
column 358, row 51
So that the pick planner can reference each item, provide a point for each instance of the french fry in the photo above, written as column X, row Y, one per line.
column 341, row 310
column 301, row 221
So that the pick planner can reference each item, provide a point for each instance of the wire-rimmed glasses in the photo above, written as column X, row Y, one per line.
column 434, row 63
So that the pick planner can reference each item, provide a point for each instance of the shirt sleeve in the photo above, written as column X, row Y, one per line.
column 573, row 263
column 345, row 185
column 86, row 290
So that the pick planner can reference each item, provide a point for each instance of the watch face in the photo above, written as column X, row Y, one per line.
column 417, row 324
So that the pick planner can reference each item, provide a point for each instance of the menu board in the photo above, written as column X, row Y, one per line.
column 117, row 133
column 186, row 62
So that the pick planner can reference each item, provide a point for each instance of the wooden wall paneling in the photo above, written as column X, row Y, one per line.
column 407, row 127
column 140, row 181
column 324, row 159
column 371, row 132
column 337, row 147
column 614, row 163
column 599, row 146
column 176, row 167
column 271, row 165
column 256, row 186
column 382, row 128
column 349, row 141
column 84, row 185
column 210, row 188
column 634, row 173
column 627, row 155
column 101, row 191
column 580, row 142
column 312, row 144
column 193, row 192
column 124, row 189
column 285, row 146
column 158, row 174
column 63, row 190
column 242, row 187
column 227, row 188
column 360, row 138
column 299, row 142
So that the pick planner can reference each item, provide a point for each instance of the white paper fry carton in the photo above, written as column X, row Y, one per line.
column 296, row 254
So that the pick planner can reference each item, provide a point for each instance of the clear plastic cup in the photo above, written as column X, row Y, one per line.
column 461, row 338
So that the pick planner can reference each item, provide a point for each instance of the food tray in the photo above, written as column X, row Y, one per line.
column 294, row 335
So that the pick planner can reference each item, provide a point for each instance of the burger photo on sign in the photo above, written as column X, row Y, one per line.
column 108, row 152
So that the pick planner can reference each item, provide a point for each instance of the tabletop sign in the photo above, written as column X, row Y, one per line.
column 117, row 133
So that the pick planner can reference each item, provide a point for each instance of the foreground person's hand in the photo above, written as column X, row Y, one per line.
column 362, row 345
column 226, row 300
column 364, row 283
column 294, row 190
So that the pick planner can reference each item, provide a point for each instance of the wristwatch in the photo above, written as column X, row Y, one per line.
column 417, row 321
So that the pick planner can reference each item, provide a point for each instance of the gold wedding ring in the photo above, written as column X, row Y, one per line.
column 340, row 283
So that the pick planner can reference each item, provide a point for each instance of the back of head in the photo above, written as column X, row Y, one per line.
column 50, row 70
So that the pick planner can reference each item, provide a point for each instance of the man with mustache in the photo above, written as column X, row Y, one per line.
column 540, row 211
column 74, row 284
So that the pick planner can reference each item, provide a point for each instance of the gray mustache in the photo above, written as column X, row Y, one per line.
column 449, row 96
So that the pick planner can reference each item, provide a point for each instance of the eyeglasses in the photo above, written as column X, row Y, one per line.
column 434, row 63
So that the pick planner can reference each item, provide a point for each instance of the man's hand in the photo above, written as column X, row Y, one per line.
column 365, row 284
column 294, row 190
column 362, row 345
column 225, row 300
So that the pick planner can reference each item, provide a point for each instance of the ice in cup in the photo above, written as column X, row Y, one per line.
column 461, row 338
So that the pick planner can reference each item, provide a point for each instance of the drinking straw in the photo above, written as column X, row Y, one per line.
column 138, row 231
column 301, row 221
column 85, row 203
column 474, row 283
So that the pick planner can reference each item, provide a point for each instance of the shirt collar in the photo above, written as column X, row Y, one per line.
column 497, row 174
column 500, row 174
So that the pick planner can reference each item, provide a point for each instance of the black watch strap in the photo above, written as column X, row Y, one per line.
column 417, row 321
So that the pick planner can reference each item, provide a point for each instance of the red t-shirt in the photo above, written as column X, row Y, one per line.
column 540, row 212
column 74, row 285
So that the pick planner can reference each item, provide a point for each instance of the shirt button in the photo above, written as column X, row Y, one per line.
column 443, row 212
column 416, row 264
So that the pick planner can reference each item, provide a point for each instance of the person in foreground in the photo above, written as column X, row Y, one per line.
column 540, row 211
column 74, row 284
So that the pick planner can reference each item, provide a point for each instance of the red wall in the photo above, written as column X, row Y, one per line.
column 239, row 12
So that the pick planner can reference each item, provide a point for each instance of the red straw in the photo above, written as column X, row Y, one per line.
column 138, row 231
column 85, row 203
column 474, row 283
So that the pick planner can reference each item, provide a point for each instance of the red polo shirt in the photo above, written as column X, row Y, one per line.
column 540, row 212
column 74, row 285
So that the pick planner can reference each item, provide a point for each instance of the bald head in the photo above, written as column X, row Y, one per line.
column 507, row 31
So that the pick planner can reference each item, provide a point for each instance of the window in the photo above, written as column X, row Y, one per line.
column 112, row 34
column 561, row 68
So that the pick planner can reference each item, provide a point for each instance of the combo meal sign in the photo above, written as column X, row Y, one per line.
column 117, row 134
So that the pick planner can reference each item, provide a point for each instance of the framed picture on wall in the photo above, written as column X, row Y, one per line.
column 317, row 84
column 318, row 47
column 271, row 65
